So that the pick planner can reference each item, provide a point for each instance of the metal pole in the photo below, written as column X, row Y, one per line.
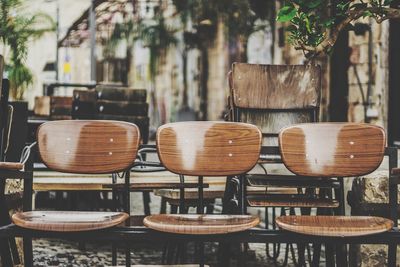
column 57, row 37
column 92, row 25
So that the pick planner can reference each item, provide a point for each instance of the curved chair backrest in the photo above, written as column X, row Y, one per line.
column 208, row 148
column 332, row 149
column 91, row 147
column 275, row 96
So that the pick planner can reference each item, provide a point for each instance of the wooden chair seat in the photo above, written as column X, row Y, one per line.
column 335, row 226
column 200, row 224
column 68, row 221
column 296, row 201
column 14, row 166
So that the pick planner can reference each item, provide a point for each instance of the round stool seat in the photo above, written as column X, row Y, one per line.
column 68, row 221
column 334, row 226
column 200, row 224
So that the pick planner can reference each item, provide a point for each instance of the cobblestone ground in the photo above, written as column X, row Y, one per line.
column 69, row 254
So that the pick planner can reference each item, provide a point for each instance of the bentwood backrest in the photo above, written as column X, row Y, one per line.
column 275, row 96
column 332, row 149
column 85, row 146
column 208, row 148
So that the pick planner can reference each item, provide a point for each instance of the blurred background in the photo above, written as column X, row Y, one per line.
column 180, row 52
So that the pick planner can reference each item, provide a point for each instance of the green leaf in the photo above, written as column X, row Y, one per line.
column 328, row 23
column 313, row 4
column 367, row 14
column 286, row 13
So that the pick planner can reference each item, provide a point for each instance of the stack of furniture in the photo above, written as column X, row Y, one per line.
column 113, row 103
column 273, row 97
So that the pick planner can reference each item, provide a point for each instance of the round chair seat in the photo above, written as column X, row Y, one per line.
column 68, row 221
column 334, row 226
column 200, row 224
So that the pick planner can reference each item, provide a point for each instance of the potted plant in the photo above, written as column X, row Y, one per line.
column 16, row 30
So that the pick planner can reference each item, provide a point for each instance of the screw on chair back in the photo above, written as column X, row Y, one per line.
column 275, row 96
column 208, row 148
column 332, row 149
column 90, row 147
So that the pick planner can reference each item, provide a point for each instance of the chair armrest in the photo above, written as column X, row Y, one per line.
column 12, row 166
column 26, row 153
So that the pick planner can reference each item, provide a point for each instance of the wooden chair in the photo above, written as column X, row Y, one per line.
column 206, row 149
column 84, row 147
column 333, row 150
column 273, row 97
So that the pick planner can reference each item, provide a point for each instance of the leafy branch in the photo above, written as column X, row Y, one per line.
column 315, row 31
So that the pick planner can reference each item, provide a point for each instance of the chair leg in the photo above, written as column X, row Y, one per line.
column 392, row 253
column 316, row 254
column 341, row 255
column 301, row 247
column 27, row 206
column 330, row 255
column 200, row 253
column 127, row 257
column 223, row 254
column 146, row 203
column 5, row 253
column 163, row 206
column 113, row 255
column 28, row 253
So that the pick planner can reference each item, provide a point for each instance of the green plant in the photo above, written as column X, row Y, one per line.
column 16, row 30
column 315, row 24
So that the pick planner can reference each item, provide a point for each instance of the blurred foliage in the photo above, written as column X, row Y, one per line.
column 16, row 30
column 239, row 16
column 314, row 25
column 154, row 34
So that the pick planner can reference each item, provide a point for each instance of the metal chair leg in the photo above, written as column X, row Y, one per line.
column 127, row 257
column 5, row 253
column 28, row 252
column 341, row 255
column 113, row 254
column 146, row 203
column 330, row 255
column 392, row 253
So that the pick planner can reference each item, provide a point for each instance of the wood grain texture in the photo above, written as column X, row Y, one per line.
column 270, row 123
column 296, row 201
column 120, row 93
column 395, row 171
column 15, row 166
column 332, row 149
column 200, row 224
column 276, row 86
column 153, row 186
column 334, row 225
column 42, row 106
column 208, row 148
column 68, row 221
column 212, row 192
column 91, row 147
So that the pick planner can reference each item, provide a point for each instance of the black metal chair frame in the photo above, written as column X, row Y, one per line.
column 127, row 235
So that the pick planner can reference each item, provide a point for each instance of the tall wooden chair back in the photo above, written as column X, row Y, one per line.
column 208, row 148
column 90, row 147
column 332, row 149
column 275, row 96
